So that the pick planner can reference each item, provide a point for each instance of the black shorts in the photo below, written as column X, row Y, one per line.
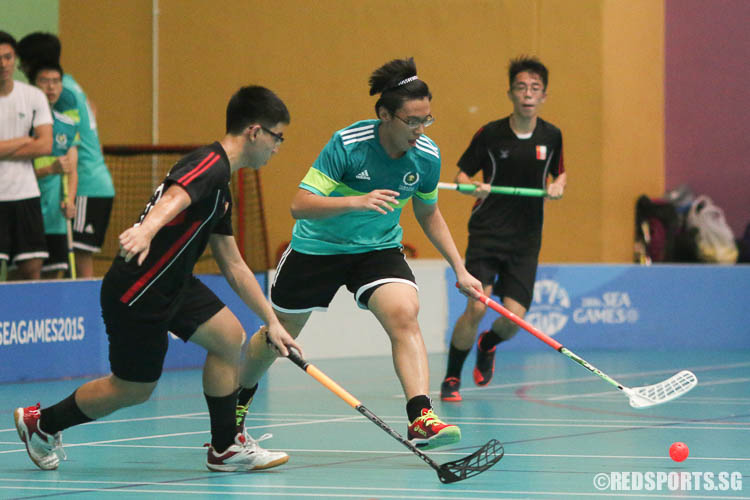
column 138, row 334
column 57, row 246
column 510, row 269
column 91, row 222
column 305, row 282
column 22, row 230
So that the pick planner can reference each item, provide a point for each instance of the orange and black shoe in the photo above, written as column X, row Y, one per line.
column 428, row 431
column 449, row 389
column 485, row 367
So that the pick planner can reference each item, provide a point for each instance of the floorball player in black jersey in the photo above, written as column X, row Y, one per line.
column 505, row 232
column 150, row 290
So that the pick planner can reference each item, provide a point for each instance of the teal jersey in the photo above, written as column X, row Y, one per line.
column 64, row 136
column 94, row 178
column 354, row 163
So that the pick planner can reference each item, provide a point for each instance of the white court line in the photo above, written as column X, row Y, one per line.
column 249, row 485
column 685, row 400
column 594, row 394
column 212, row 491
column 593, row 378
column 202, row 416
column 207, row 431
column 307, row 416
column 494, row 422
column 446, row 454
column 724, row 381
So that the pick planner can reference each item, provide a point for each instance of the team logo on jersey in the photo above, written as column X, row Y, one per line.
column 363, row 175
column 61, row 140
column 504, row 154
column 541, row 152
column 411, row 178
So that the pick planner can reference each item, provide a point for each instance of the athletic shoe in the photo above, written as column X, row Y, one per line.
column 449, row 389
column 44, row 449
column 243, row 455
column 485, row 367
column 428, row 431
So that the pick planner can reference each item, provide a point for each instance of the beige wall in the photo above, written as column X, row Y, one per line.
column 107, row 48
column 633, row 128
column 605, row 60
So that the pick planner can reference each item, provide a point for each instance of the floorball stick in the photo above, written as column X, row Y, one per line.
column 640, row 397
column 450, row 472
column 69, row 232
column 518, row 191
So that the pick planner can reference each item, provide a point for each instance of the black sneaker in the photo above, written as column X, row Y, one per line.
column 485, row 367
column 449, row 389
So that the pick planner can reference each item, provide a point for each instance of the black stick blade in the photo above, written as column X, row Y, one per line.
column 476, row 463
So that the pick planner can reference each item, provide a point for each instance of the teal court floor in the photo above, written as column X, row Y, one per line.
column 567, row 435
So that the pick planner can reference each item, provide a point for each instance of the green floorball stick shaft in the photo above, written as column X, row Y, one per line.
column 517, row 191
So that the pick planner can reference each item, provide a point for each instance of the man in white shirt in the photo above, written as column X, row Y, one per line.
column 25, row 133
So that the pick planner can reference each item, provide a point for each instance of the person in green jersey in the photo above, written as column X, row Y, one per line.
column 347, row 233
column 96, row 191
column 54, row 170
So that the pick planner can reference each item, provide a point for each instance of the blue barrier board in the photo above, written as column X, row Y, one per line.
column 54, row 329
column 664, row 307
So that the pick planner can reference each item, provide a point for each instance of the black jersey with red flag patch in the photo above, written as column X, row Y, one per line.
column 205, row 175
column 506, row 160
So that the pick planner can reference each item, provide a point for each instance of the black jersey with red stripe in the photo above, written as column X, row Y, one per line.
column 506, row 160
column 205, row 175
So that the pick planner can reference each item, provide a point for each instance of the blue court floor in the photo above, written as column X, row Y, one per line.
column 567, row 434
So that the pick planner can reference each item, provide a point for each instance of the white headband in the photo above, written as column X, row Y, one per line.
column 407, row 80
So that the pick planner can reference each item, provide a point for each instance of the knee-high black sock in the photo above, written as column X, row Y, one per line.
column 456, row 358
column 244, row 398
column 246, row 395
column 490, row 340
column 415, row 405
column 221, row 411
column 62, row 415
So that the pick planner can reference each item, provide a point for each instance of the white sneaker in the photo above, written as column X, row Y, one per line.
column 244, row 454
column 44, row 449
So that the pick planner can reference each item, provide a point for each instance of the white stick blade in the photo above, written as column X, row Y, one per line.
column 673, row 387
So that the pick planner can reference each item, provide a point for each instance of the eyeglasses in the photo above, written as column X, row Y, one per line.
column 279, row 138
column 520, row 88
column 48, row 81
column 414, row 123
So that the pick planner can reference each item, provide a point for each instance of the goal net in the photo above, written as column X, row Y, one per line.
column 137, row 170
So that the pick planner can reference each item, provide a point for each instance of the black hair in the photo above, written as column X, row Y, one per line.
column 44, row 65
column 255, row 104
column 37, row 47
column 7, row 38
column 530, row 65
column 396, row 81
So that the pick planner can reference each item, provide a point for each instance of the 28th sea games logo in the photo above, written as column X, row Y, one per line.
column 551, row 308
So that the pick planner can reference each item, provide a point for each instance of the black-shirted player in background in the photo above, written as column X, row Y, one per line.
column 505, row 232
column 150, row 290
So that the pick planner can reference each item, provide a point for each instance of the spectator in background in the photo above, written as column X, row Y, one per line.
column 57, row 173
column 95, row 189
column 25, row 133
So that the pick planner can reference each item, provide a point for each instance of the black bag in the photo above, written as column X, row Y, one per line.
column 743, row 245
column 657, row 225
